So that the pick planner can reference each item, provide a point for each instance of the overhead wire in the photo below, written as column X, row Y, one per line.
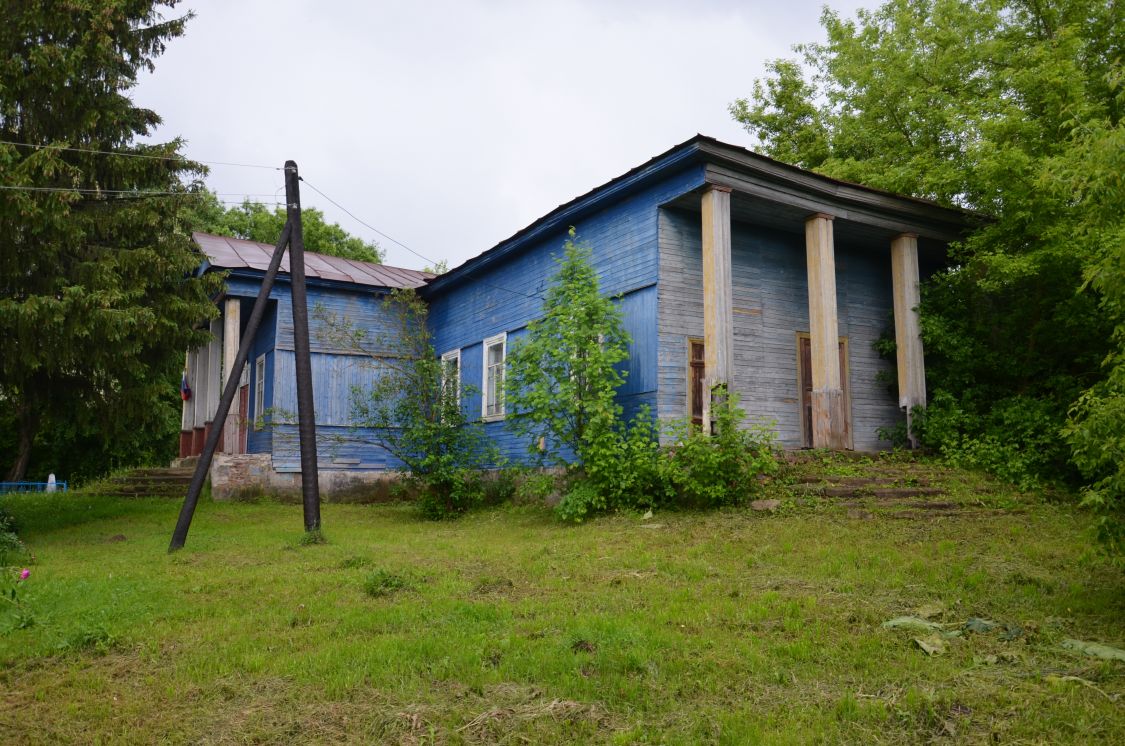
column 141, row 194
column 137, row 192
column 180, row 158
column 354, row 217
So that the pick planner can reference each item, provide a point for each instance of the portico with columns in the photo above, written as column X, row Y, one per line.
column 207, row 370
column 790, row 282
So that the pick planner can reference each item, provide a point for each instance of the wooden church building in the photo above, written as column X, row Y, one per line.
column 729, row 267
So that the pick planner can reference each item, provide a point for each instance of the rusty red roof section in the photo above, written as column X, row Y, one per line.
column 236, row 253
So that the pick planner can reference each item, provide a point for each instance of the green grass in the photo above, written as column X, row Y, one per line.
column 505, row 626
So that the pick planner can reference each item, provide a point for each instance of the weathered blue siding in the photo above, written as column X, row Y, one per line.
column 338, row 368
column 770, row 288
column 261, row 440
column 336, row 448
column 506, row 297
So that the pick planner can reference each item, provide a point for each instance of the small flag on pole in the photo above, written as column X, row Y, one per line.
column 185, row 390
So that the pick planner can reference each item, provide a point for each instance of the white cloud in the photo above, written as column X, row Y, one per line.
column 451, row 125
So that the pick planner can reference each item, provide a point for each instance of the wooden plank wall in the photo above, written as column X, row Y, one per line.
column 261, row 441
column 770, row 287
column 337, row 369
column 623, row 239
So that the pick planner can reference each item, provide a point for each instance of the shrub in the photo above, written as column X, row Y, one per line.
column 723, row 468
column 448, row 492
column 1016, row 440
column 1096, row 434
column 582, row 499
column 536, row 487
column 628, row 466
column 633, row 471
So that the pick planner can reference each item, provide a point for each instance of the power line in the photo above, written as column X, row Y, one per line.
column 138, row 192
column 180, row 158
column 412, row 251
column 353, row 216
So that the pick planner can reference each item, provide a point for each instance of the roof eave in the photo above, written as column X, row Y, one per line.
column 676, row 158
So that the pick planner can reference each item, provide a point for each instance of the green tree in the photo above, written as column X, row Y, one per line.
column 256, row 222
column 413, row 409
column 97, row 298
column 1014, row 109
column 560, row 390
column 562, row 378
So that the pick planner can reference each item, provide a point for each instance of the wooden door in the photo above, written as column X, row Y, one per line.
column 804, row 373
column 695, row 382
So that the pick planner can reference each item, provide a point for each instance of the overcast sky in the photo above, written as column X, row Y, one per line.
column 452, row 125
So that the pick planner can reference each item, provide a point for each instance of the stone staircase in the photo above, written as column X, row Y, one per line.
column 891, row 485
column 169, row 482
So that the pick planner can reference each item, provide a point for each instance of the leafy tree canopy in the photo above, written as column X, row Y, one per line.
column 97, row 302
column 1012, row 108
column 256, row 222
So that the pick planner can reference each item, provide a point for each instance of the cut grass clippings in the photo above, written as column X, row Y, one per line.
column 734, row 626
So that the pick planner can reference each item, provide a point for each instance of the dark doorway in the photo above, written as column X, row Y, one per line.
column 804, row 374
column 695, row 381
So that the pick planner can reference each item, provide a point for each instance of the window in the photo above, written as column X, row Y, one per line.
column 259, row 390
column 492, row 399
column 451, row 374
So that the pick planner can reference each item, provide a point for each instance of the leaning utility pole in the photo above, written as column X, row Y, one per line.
column 306, row 418
column 292, row 238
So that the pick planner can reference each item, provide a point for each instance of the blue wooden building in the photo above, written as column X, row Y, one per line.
column 730, row 268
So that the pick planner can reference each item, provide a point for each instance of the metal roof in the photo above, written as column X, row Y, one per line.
column 707, row 150
column 236, row 253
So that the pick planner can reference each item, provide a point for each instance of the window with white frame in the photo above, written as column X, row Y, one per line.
column 451, row 375
column 492, row 397
column 259, row 390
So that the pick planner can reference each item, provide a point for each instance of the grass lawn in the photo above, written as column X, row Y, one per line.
column 506, row 626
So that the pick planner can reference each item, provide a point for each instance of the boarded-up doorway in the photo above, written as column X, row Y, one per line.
column 804, row 378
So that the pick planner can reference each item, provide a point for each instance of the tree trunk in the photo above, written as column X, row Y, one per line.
column 28, row 424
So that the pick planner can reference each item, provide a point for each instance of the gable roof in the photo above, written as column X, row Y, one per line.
column 235, row 253
column 720, row 160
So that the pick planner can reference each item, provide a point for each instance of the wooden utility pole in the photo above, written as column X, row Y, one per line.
column 306, row 416
column 203, row 465
column 291, row 238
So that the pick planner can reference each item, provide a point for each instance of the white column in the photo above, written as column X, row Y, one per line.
column 199, row 386
column 187, row 420
column 827, row 394
column 214, row 370
column 908, row 328
column 232, row 321
column 718, row 301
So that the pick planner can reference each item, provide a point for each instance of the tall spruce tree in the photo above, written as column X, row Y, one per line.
column 97, row 301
